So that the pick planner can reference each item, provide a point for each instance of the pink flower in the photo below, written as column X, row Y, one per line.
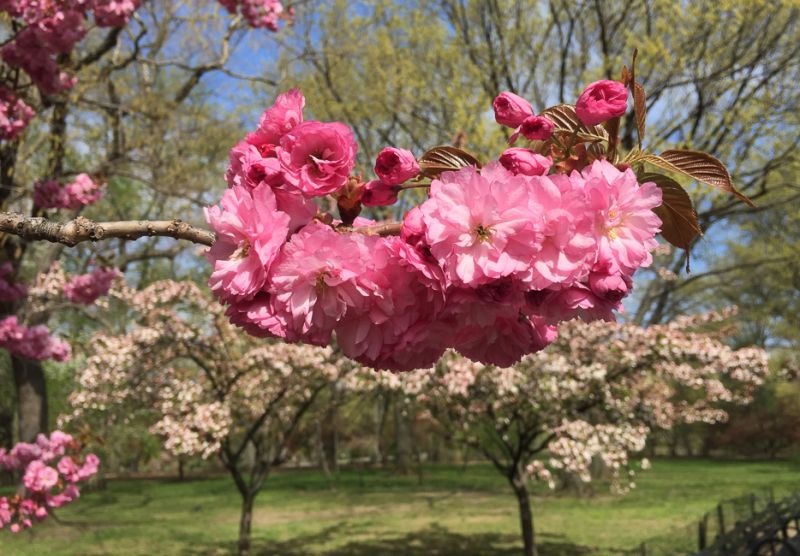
column 379, row 194
column 491, row 326
column 85, row 289
column 91, row 464
column 80, row 192
column 39, row 477
column 257, row 316
column 316, row 280
column 567, row 241
column 68, row 468
column 576, row 301
column 318, row 157
column 33, row 343
column 250, row 232
column 526, row 162
column 394, row 166
column 480, row 226
column 511, row 110
column 625, row 223
column 277, row 120
column 601, row 101
column 609, row 284
column 393, row 328
column 535, row 128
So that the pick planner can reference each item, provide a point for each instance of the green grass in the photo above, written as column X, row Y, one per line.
column 377, row 513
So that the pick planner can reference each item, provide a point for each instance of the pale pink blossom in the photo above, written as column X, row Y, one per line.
column 481, row 226
column 250, row 232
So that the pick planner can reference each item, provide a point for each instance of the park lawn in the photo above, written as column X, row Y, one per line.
column 373, row 512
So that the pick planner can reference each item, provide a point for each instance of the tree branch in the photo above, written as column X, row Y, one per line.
column 82, row 229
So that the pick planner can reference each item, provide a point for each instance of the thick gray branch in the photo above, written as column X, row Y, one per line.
column 82, row 229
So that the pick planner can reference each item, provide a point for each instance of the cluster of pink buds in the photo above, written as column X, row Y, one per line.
column 489, row 264
column 260, row 13
column 82, row 191
column 51, row 29
column 51, row 469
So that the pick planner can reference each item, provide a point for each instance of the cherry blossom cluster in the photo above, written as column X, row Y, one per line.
column 49, row 29
column 82, row 191
column 51, row 468
column 260, row 13
column 33, row 342
column 489, row 264
column 596, row 393
column 14, row 115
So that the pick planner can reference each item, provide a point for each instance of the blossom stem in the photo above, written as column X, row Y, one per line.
column 82, row 229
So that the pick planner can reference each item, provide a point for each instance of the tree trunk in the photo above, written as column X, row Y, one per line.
column 245, row 523
column 525, row 515
column 401, row 438
column 31, row 389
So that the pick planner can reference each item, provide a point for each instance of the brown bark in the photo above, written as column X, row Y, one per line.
column 82, row 229
column 525, row 515
column 31, row 389
column 245, row 524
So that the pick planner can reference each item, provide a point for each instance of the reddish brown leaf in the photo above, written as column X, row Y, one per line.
column 639, row 109
column 445, row 159
column 679, row 224
column 701, row 166
column 566, row 121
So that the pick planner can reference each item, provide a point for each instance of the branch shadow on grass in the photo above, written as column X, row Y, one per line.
column 433, row 541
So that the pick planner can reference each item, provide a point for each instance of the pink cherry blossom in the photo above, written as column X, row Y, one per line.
column 534, row 128
column 625, row 222
column 601, row 101
column 394, row 166
column 277, row 120
column 379, row 194
column 250, row 232
column 481, row 226
column 316, row 280
column 10, row 291
column 526, row 162
column 318, row 157
column 511, row 110
column 15, row 115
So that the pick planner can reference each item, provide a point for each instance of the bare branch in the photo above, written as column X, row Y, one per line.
column 82, row 229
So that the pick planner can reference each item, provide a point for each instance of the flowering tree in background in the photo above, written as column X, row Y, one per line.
column 597, row 393
column 204, row 388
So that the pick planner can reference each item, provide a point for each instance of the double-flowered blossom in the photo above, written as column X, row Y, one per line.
column 10, row 290
column 51, row 469
column 81, row 191
column 489, row 264
column 259, row 13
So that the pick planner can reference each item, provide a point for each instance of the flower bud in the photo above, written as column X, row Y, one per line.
column 601, row 101
column 511, row 110
column 526, row 162
column 394, row 166
column 379, row 194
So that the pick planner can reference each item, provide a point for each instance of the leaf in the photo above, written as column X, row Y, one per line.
column 698, row 165
column 679, row 224
column 445, row 158
column 566, row 121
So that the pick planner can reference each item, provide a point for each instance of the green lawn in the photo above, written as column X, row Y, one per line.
column 376, row 513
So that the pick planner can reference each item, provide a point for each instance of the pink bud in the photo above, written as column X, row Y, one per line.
column 394, row 166
column 535, row 128
column 526, row 162
column 511, row 110
column 601, row 101
column 379, row 194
